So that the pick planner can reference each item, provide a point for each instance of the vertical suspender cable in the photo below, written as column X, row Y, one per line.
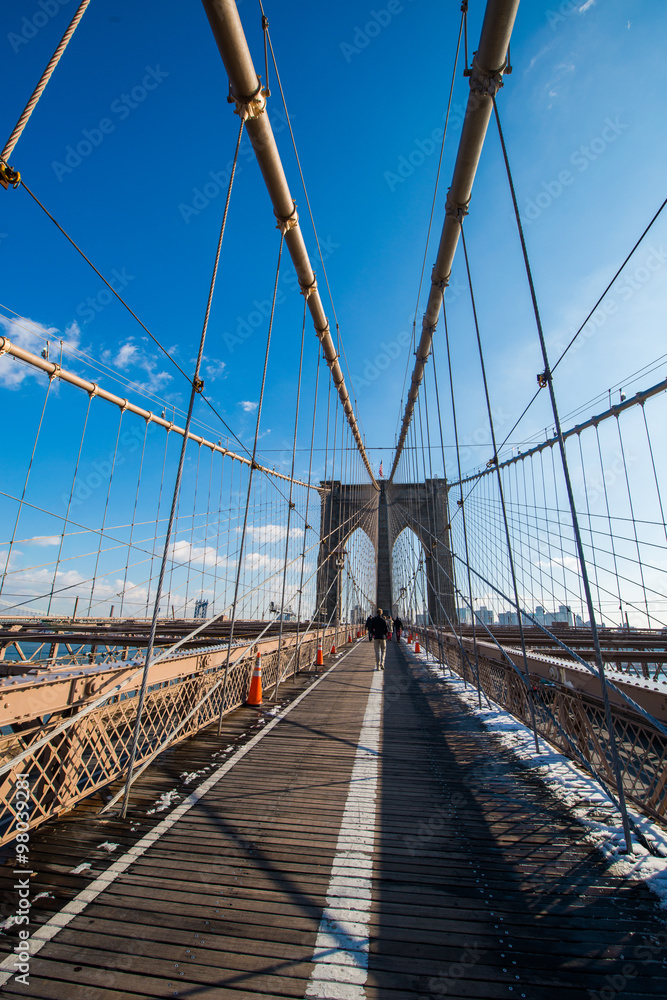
column 252, row 467
column 25, row 485
column 290, row 504
column 197, row 386
column 510, row 557
column 616, row 764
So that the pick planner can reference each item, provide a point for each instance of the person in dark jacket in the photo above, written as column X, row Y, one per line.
column 379, row 631
column 398, row 628
column 369, row 621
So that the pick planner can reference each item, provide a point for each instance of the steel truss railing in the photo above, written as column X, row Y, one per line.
column 94, row 751
column 572, row 721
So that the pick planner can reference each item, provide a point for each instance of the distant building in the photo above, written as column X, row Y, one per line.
column 508, row 618
column 285, row 616
column 464, row 616
column 485, row 615
column 201, row 608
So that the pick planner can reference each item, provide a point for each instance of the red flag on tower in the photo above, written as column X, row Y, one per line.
column 381, row 473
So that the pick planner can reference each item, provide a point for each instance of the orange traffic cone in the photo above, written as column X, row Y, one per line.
column 319, row 662
column 349, row 637
column 255, row 693
column 409, row 638
column 358, row 633
column 417, row 646
column 333, row 647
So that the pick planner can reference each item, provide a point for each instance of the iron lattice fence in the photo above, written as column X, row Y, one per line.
column 568, row 718
column 94, row 749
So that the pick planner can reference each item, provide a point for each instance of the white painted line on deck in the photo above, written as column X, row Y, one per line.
column 341, row 948
column 72, row 909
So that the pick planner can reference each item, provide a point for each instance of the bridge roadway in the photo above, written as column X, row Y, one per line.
column 376, row 842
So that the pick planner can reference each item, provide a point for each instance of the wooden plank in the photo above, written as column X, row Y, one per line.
column 479, row 875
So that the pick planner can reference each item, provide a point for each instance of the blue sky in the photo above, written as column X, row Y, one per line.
column 577, row 102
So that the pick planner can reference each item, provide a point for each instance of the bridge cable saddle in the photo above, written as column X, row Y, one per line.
column 485, row 82
column 456, row 210
column 287, row 222
column 249, row 107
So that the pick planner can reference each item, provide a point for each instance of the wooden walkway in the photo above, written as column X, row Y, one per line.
column 376, row 843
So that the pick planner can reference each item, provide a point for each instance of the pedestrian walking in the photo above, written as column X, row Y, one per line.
column 398, row 628
column 369, row 622
column 379, row 631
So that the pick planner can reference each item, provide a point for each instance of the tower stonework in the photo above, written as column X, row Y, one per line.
column 383, row 514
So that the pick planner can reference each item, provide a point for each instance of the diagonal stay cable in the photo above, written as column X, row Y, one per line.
column 585, row 321
column 196, row 386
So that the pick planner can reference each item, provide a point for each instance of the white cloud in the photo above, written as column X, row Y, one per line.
column 586, row 6
column 266, row 533
column 183, row 552
column 44, row 540
column 30, row 335
column 256, row 561
column 142, row 367
column 214, row 368
column 247, row 406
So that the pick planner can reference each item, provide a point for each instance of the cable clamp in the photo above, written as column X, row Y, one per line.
column 322, row 331
column 485, row 81
column 125, row 405
column 198, row 385
column 56, row 374
column 307, row 289
column 287, row 222
column 5, row 345
column 9, row 176
column 492, row 462
column 254, row 464
column 456, row 210
column 249, row 107
column 307, row 526
column 440, row 283
column 91, row 392
column 543, row 378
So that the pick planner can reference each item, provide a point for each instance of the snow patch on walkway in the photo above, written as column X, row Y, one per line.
column 580, row 794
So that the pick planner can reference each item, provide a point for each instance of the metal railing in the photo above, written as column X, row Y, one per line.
column 76, row 755
column 571, row 719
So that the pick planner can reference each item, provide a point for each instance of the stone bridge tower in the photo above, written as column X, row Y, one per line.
column 422, row 507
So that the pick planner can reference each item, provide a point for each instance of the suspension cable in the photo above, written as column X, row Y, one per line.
column 196, row 385
column 43, row 80
column 548, row 380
